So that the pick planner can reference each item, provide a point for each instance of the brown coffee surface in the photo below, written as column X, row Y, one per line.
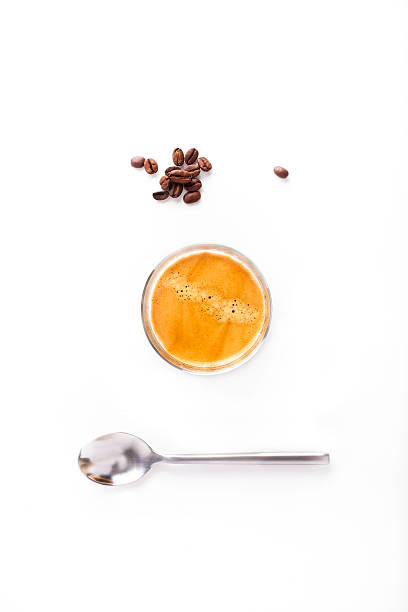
column 207, row 309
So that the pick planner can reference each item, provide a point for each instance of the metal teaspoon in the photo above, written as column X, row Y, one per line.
column 121, row 458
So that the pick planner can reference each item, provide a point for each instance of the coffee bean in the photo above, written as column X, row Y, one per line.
column 176, row 189
column 191, row 156
column 191, row 197
column 161, row 195
column 170, row 169
column 204, row 164
column 281, row 172
column 179, row 176
column 165, row 182
column 151, row 166
column 178, row 157
column 137, row 162
column 193, row 169
column 193, row 185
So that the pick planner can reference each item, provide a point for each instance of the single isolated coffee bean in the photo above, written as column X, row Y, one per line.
column 204, row 164
column 191, row 156
column 179, row 176
column 191, row 197
column 151, row 166
column 170, row 169
column 178, row 157
column 193, row 169
column 137, row 162
column 193, row 185
column 165, row 183
column 176, row 189
column 161, row 195
column 281, row 172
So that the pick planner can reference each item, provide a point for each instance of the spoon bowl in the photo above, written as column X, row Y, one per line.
column 116, row 459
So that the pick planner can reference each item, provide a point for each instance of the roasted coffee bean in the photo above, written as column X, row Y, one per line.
column 191, row 156
column 191, row 197
column 151, row 166
column 165, row 182
column 193, row 169
column 176, row 189
column 137, row 162
column 179, row 176
column 193, row 185
column 170, row 169
column 281, row 172
column 204, row 164
column 178, row 157
column 161, row 195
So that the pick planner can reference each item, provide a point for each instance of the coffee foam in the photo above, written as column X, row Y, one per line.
column 212, row 302
column 207, row 308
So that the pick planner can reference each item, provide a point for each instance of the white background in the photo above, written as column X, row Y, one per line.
column 318, row 87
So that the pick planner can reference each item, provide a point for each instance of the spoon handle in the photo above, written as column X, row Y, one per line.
column 253, row 458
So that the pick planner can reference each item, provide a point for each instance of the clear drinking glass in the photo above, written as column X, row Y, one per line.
column 149, row 290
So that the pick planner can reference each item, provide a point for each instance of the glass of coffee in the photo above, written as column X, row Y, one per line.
column 206, row 308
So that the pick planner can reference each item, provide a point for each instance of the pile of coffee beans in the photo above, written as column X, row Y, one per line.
column 183, row 175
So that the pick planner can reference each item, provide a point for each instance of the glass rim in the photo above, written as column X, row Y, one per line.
column 148, row 290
